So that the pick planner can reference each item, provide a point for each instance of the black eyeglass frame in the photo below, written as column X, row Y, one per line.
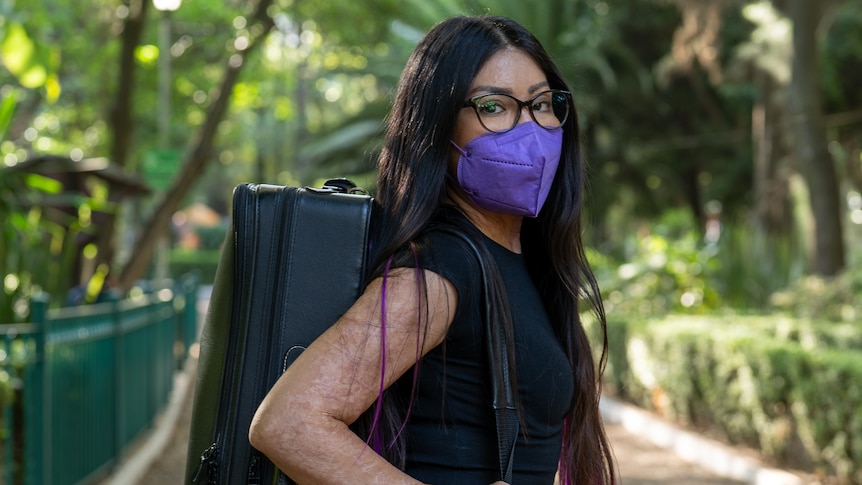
column 471, row 103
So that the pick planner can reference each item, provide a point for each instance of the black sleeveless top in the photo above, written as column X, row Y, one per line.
column 451, row 436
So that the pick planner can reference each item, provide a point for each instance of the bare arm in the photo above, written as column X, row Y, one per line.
column 302, row 424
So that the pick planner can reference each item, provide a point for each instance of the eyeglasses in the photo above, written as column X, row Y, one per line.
column 499, row 113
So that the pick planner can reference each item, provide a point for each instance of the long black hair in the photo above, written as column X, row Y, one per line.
column 411, row 189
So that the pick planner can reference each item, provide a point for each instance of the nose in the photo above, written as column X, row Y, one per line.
column 524, row 114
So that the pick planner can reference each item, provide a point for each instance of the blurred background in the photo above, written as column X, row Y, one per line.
column 723, row 141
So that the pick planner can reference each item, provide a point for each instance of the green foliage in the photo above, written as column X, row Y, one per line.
column 752, row 266
column 7, row 109
column 770, row 383
column 659, row 269
column 31, row 62
column 669, row 267
column 836, row 298
column 659, row 134
column 211, row 238
column 37, row 245
column 826, row 408
column 14, row 356
column 660, row 276
column 843, row 45
column 202, row 263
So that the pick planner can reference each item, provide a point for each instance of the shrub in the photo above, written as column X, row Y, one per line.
column 752, row 266
column 203, row 263
column 827, row 400
column 211, row 237
column 671, row 269
column 770, row 383
column 835, row 299
column 659, row 277
column 37, row 252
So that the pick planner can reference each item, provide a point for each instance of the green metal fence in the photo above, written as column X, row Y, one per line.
column 88, row 381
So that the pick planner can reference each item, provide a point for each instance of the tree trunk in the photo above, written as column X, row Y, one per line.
column 197, row 159
column 849, row 128
column 854, row 165
column 693, row 196
column 772, row 207
column 120, row 119
column 811, row 142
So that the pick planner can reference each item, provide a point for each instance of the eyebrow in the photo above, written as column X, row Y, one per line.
column 497, row 89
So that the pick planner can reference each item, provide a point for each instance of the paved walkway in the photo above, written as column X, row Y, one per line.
column 648, row 450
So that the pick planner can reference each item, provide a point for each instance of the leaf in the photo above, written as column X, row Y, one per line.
column 17, row 49
column 44, row 184
column 52, row 88
column 21, row 57
column 147, row 54
column 7, row 108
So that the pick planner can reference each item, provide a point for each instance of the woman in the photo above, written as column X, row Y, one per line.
column 482, row 138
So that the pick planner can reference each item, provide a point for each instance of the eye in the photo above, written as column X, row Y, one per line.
column 493, row 104
column 489, row 107
column 540, row 106
column 542, row 103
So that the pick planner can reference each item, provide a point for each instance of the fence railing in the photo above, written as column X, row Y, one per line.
column 88, row 380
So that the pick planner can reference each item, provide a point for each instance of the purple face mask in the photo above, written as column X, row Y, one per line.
column 512, row 172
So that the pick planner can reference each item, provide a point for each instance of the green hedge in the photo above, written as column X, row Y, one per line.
column 792, row 389
column 202, row 262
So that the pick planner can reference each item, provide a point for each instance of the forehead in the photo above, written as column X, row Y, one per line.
column 509, row 71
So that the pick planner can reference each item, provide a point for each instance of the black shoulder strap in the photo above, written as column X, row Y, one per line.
column 505, row 409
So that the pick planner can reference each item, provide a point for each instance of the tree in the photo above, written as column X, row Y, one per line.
column 666, row 103
column 765, row 60
column 120, row 117
column 811, row 141
column 261, row 23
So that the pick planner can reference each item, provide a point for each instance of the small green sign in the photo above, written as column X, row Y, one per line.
column 160, row 167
